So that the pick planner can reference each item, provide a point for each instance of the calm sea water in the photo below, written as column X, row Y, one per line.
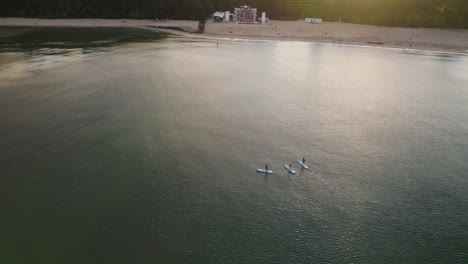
column 126, row 146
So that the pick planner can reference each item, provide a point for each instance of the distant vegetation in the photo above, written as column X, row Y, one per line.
column 407, row 13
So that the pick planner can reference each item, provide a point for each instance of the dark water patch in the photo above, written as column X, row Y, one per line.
column 171, row 28
column 376, row 43
column 28, row 39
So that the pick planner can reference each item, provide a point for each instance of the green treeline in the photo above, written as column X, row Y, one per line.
column 408, row 13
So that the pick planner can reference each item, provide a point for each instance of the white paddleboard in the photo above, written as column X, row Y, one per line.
column 303, row 164
column 265, row 171
column 289, row 169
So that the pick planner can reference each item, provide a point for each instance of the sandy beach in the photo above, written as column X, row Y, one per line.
column 332, row 32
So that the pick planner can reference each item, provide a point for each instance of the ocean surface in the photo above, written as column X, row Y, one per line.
column 128, row 146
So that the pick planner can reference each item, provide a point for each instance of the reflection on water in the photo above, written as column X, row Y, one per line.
column 23, row 49
column 52, row 40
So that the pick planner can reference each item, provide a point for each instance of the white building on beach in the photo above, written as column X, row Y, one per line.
column 243, row 15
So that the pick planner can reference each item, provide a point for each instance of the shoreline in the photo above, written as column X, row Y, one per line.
column 431, row 39
column 344, row 43
column 426, row 39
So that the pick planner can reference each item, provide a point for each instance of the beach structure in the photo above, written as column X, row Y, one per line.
column 242, row 15
column 264, row 17
column 217, row 16
column 313, row 20
column 245, row 14
column 221, row 16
